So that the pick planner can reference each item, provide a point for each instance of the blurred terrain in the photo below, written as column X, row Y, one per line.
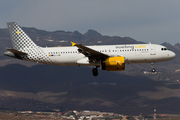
column 31, row 86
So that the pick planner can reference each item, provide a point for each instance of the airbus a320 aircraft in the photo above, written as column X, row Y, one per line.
column 109, row 57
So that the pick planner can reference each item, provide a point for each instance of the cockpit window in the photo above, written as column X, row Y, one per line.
column 163, row 48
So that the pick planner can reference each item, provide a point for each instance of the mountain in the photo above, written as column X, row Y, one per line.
column 71, row 87
column 92, row 33
column 61, row 38
column 177, row 46
column 41, row 77
column 67, row 88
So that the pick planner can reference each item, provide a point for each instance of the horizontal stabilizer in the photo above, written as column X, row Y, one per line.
column 16, row 51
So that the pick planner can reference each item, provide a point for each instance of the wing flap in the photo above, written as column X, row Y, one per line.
column 16, row 51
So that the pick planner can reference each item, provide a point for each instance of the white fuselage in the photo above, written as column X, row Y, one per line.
column 109, row 57
column 133, row 53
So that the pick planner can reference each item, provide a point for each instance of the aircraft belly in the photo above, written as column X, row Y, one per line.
column 64, row 60
column 145, row 58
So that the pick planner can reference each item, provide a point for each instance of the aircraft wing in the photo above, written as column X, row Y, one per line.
column 88, row 52
column 16, row 52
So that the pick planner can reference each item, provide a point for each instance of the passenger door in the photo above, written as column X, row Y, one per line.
column 152, row 50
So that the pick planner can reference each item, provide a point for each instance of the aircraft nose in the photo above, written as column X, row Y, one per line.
column 172, row 55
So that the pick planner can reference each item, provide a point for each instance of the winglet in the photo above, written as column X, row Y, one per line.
column 73, row 44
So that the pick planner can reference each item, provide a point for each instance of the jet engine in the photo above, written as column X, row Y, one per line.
column 114, row 64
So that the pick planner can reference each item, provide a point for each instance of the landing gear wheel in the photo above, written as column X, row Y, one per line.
column 153, row 70
column 95, row 71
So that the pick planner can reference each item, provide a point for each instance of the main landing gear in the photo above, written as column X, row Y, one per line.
column 153, row 69
column 95, row 71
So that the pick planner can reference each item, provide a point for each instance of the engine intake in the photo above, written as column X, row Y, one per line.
column 114, row 64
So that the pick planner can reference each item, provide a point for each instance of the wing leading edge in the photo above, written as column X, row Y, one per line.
column 88, row 52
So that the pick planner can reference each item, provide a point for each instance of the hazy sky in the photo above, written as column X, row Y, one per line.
column 154, row 21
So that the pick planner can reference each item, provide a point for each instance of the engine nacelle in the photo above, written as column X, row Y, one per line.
column 114, row 64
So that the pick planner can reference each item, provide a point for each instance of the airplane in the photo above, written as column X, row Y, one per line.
column 108, row 57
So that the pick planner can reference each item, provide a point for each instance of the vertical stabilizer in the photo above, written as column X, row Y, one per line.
column 19, row 38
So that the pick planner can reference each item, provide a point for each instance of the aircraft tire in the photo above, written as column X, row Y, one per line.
column 153, row 70
column 95, row 71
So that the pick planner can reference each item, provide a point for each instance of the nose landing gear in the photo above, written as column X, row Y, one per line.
column 153, row 69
